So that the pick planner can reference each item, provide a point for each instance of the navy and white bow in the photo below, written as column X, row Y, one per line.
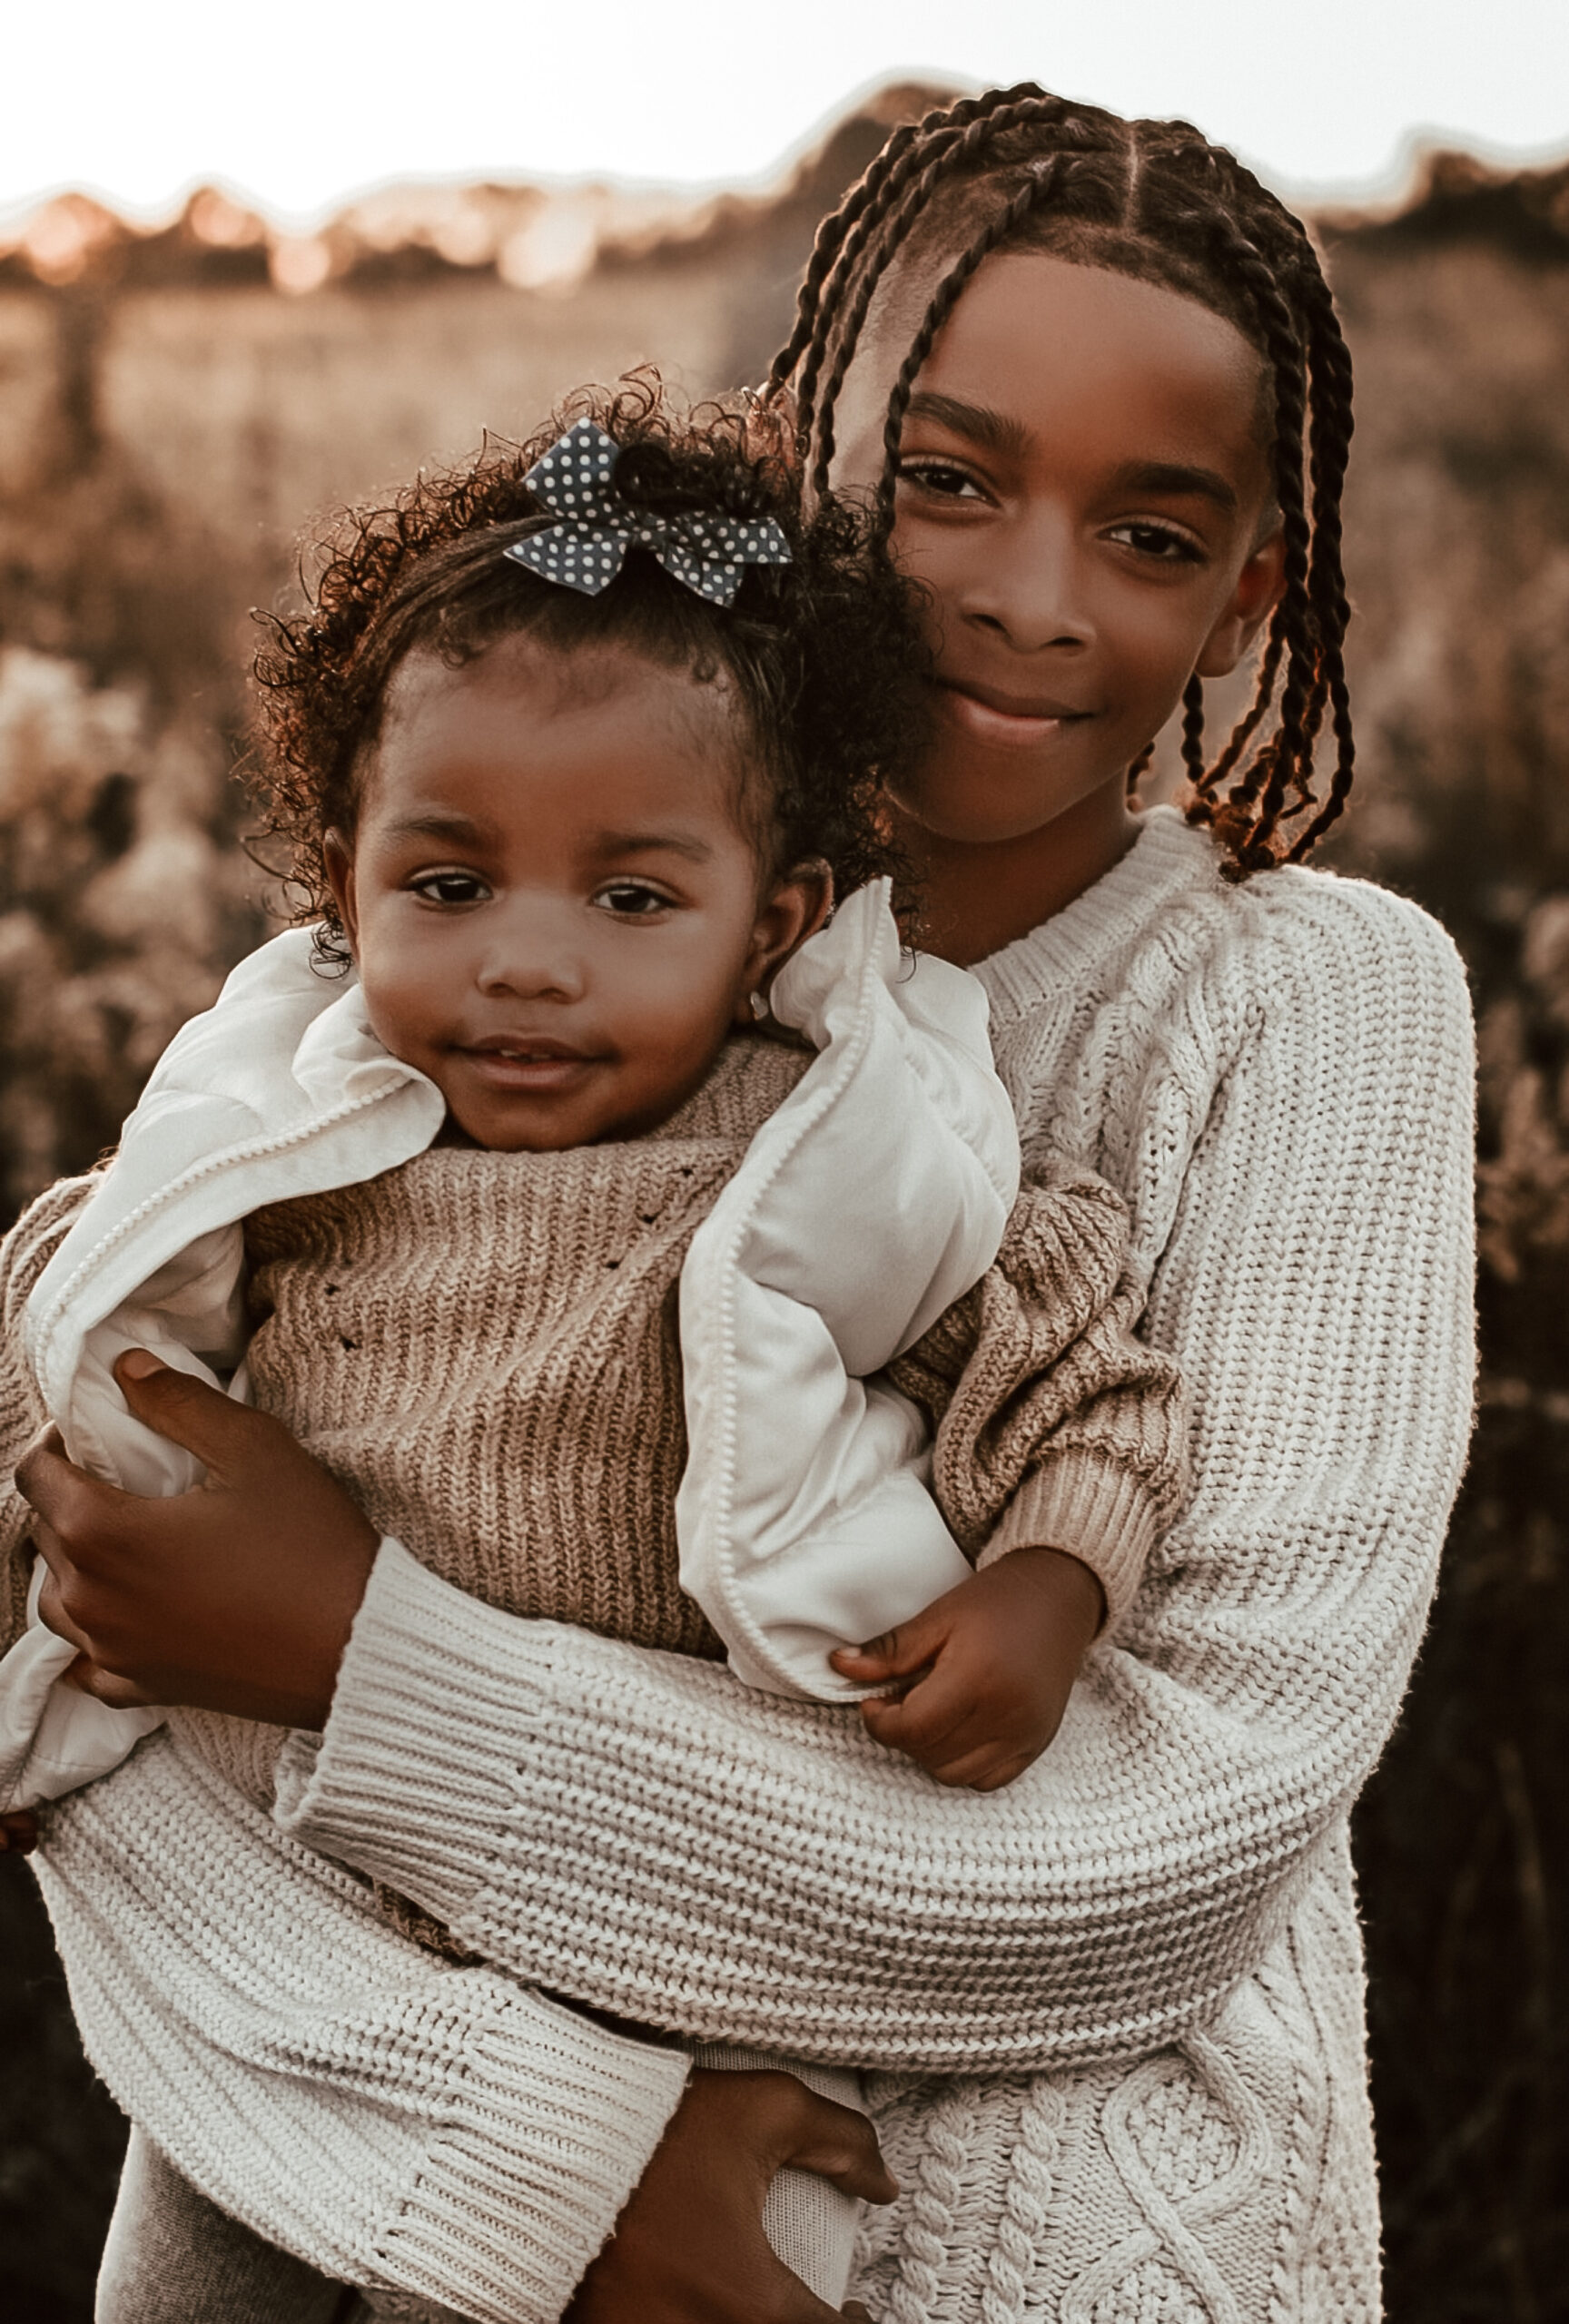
column 584, row 550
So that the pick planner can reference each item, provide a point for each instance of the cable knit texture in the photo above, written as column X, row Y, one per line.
column 1117, row 2007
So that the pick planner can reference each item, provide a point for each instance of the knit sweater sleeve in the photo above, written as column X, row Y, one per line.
column 643, row 1833
column 419, row 2129
column 24, row 1255
column 1054, row 1425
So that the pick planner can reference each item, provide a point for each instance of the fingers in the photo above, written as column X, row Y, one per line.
column 54, row 1611
column 931, row 1713
column 836, row 2143
column 69, row 1501
column 222, row 1434
column 689, row 2244
column 987, row 1769
column 89, row 1677
column 897, row 1654
column 945, row 1725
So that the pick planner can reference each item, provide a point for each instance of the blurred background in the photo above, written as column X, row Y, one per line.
column 207, row 334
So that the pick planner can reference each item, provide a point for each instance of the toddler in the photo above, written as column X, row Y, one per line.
column 626, row 1222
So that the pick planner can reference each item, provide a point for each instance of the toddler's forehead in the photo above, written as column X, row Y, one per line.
column 459, row 724
column 544, row 679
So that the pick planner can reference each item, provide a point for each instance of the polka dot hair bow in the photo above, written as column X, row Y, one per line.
column 584, row 550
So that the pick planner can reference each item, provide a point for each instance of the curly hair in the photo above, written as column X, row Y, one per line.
column 1019, row 169
column 823, row 655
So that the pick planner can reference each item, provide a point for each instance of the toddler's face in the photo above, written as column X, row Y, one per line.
column 554, row 909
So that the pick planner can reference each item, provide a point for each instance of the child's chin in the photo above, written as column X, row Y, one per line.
column 505, row 1133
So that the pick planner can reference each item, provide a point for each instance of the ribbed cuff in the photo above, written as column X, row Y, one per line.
column 412, row 1778
column 552, row 2126
column 1097, row 1510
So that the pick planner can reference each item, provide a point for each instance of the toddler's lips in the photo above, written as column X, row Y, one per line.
column 992, row 719
column 544, row 1071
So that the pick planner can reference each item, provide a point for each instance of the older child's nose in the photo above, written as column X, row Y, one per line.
column 1032, row 588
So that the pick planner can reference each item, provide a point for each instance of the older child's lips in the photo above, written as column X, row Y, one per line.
column 991, row 717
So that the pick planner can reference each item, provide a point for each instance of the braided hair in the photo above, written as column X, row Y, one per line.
column 1017, row 169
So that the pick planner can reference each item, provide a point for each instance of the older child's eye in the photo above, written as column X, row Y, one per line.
column 1160, row 542
column 632, row 899
column 450, row 888
column 940, row 478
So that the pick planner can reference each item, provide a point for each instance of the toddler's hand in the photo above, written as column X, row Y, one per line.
column 981, row 1678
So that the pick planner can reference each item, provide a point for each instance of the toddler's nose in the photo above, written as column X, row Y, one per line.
column 535, row 955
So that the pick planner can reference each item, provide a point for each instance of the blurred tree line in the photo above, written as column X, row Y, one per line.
column 169, row 413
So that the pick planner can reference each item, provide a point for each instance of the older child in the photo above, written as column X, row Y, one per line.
column 572, row 789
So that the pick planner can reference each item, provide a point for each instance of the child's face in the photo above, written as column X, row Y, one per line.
column 1083, row 487
column 555, row 910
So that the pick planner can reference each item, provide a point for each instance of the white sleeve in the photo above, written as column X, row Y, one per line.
column 400, row 2123
column 645, row 1834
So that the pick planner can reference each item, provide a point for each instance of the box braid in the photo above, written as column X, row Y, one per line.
column 1022, row 169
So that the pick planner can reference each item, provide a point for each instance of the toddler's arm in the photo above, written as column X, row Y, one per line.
column 1058, row 1460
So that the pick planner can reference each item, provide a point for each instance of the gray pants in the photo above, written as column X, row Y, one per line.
column 173, row 2258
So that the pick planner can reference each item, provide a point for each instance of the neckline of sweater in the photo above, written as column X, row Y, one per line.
column 1168, row 859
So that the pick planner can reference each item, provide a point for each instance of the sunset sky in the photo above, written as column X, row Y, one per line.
column 302, row 102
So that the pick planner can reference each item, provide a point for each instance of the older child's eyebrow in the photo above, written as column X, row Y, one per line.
column 1176, row 478
column 994, row 429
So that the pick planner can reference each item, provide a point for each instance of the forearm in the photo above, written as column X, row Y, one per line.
column 646, row 1834
column 399, row 2123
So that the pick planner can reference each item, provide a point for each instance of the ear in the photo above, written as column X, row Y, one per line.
column 1248, row 608
column 338, row 858
column 794, row 910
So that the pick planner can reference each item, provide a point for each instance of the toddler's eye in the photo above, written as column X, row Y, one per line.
column 632, row 899
column 450, row 888
column 1159, row 542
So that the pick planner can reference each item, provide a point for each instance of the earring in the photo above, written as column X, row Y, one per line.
column 760, row 1008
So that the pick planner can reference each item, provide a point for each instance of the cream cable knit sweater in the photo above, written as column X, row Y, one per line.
column 1119, row 2004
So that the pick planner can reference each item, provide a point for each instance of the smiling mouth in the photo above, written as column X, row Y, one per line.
column 992, row 716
